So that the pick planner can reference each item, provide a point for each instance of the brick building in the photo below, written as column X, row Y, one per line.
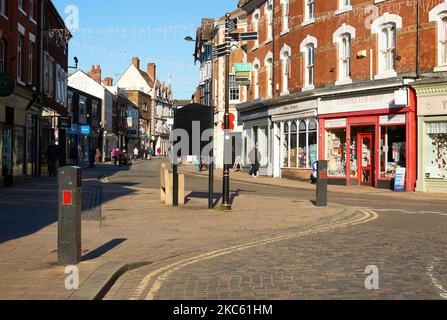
column 144, row 103
column 211, row 90
column 37, row 63
column 332, row 81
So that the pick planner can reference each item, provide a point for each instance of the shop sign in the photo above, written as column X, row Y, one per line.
column 359, row 103
column 432, row 106
column 399, row 181
column 401, row 97
column 393, row 119
column 242, row 74
column 85, row 130
column 336, row 123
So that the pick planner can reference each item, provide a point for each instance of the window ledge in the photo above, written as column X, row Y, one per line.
column 343, row 10
column 4, row 16
column 385, row 75
column 32, row 20
column 283, row 33
column 308, row 88
column 440, row 69
column 255, row 48
column 268, row 41
column 308, row 22
column 22, row 11
column 21, row 82
column 343, row 82
column 285, row 93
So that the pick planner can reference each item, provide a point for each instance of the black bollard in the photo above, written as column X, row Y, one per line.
column 322, row 184
column 69, row 220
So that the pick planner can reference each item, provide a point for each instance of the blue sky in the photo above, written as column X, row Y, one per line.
column 111, row 32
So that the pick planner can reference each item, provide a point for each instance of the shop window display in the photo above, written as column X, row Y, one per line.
column 313, row 142
column 302, row 153
column 392, row 150
column 19, row 151
column 293, row 145
column 285, row 145
column 336, row 152
column 436, row 150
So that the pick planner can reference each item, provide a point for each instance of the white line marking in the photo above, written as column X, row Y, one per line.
column 435, row 282
column 162, row 274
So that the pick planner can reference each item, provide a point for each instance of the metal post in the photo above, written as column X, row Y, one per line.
column 322, row 184
column 226, row 167
column 175, row 183
column 211, row 170
column 69, row 220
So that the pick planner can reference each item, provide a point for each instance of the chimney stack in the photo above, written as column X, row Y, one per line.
column 152, row 70
column 95, row 73
column 108, row 81
column 136, row 62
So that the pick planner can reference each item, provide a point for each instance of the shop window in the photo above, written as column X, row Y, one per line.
column 18, row 156
column 313, row 142
column 392, row 150
column 262, row 145
column 336, row 152
column 285, row 145
column 436, row 150
column 293, row 145
column 302, row 153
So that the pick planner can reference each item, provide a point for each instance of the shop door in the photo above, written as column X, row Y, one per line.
column 366, row 159
column 7, row 155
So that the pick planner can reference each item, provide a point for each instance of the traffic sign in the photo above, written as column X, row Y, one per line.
column 219, row 50
column 242, row 67
column 244, row 36
column 232, row 25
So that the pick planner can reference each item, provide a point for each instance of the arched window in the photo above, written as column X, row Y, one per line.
column 443, row 41
column 269, row 73
column 285, row 15
column 256, row 69
column 285, row 56
column 256, row 18
column 307, row 47
column 386, row 28
column 343, row 38
column 269, row 20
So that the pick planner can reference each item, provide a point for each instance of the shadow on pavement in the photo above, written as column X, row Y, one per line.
column 92, row 255
column 26, row 209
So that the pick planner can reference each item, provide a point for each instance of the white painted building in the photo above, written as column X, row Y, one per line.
column 89, row 84
column 162, row 102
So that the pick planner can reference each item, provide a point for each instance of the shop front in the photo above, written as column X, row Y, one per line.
column 368, row 139
column 294, row 139
column 256, row 135
column 432, row 138
column 13, row 136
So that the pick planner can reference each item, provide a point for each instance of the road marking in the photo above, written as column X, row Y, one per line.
column 435, row 282
column 162, row 274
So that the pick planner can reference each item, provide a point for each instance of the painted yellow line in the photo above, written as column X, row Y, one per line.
column 162, row 274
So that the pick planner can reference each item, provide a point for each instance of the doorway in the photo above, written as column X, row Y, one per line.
column 366, row 158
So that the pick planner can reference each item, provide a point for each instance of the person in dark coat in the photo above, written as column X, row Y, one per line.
column 53, row 155
column 255, row 158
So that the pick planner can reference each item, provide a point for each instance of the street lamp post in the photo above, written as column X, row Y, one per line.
column 226, row 167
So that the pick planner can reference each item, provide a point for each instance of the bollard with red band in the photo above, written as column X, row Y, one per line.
column 69, row 218
column 322, row 182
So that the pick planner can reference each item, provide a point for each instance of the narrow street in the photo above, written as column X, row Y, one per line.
column 405, row 242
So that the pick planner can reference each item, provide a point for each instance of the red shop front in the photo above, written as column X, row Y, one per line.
column 367, row 138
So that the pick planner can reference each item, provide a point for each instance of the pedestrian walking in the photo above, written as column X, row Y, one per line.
column 73, row 155
column 135, row 153
column 98, row 156
column 115, row 156
column 53, row 155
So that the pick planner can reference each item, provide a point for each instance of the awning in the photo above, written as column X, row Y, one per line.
column 436, row 127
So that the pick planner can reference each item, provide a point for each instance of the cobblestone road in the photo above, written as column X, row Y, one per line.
column 328, row 265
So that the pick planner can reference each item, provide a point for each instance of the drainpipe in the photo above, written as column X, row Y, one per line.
column 418, row 40
column 273, row 47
